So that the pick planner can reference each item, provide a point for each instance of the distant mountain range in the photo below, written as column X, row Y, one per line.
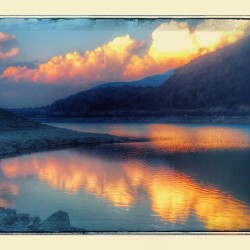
column 215, row 83
column 151, row 81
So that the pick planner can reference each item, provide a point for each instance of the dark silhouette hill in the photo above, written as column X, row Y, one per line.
column 216, row 80
column 10, row 122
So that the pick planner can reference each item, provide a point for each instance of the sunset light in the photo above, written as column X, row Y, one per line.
column 124, row 125
column 173, row 44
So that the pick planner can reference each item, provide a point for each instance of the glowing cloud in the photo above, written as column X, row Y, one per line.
column 176, row 43
column 104, row 63
column 5, row 39
column 173, row 44
column 214, row 34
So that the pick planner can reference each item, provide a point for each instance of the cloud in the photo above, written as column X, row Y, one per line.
column 6, row 55
column 173, row 44
column 5, row 41
column 177, row 43
column 105, row 63
column 5, row 37
column 214, row 34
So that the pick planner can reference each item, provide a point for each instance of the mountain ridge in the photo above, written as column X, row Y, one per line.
column 150, row 81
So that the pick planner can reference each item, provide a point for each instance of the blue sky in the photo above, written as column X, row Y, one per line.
column 41, row 39
column 64, row 35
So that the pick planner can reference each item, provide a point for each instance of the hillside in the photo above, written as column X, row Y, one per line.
column 215, row 83
column 217, row 80
column 151, row 81
column 10, row 122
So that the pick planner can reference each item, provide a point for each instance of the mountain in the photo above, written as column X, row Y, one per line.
column 215, row 83
column 216, row 80
column 153, row 81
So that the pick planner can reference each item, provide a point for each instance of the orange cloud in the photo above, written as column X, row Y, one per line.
column 12, row 53
column 104, row 63
column 5, row 38
column 214, row 34
column 173, row 44
column 176, row 43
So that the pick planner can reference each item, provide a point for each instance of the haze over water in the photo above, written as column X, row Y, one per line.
column 188, row 178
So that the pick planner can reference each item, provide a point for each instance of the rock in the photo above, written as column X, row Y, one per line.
column 10, row 211
column 9, row 219
column 33, row 224
column 58, row 221
column 23, row 217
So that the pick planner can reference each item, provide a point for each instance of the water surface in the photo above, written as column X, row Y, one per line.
column 189, row 178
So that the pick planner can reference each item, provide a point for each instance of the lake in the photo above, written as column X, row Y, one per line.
column 188, row 178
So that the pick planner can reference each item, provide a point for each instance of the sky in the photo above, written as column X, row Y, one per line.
column 42, row 60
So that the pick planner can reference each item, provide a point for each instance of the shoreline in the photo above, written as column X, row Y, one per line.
column 18, row 142
column 13, row 222
column 42, row 137
column 167, row 119
column 59, row 223
column 20, row 135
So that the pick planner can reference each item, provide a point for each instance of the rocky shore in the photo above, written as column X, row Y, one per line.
column 19, row 141
column 10, row 221
column 18, row 135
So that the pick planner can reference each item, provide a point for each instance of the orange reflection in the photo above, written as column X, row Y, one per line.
column 221, row 211
column 173, row 195
column 120, row 130
column 72, row 175
column 7, row 187
column 182, row 139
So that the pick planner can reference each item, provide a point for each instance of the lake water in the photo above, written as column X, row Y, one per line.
column 188, row 178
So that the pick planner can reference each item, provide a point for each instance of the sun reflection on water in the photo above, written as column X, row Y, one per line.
column 176, row 138
column 173, row 195
column 6, row 187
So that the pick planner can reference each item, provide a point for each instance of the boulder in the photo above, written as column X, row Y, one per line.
column 9, row 219
column 23, row 217
column 33, row 223
column 10, row 211
column 58, row 221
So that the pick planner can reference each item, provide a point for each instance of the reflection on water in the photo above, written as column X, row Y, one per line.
column 175, row 138
column 183, row 139
column 171, row 195
column 8, row 191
